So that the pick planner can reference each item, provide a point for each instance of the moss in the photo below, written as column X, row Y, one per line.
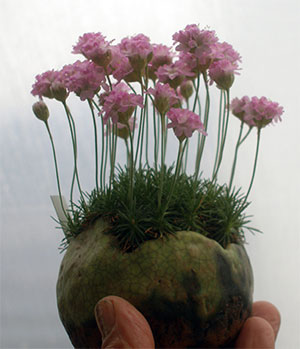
column 197, row 205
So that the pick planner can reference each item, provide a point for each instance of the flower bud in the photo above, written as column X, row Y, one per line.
column 225, row 81
column 123, row 117
column 59, row 91
column 122, row 131
column 138, row 63
column 103, row 60
column 41, row 110
column 162, row 104
column 186, row 89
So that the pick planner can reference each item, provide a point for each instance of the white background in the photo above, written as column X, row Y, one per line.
column 36, row 36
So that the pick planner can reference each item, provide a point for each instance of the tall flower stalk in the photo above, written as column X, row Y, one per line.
column 238, row 143
column 41, row 111
column 255, row 163
column 75, row 176
column 223, row 135
column 202, row 139
column 96, row 144
column 124, row 83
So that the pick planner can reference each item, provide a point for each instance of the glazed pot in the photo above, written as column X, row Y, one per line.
column 192, row 291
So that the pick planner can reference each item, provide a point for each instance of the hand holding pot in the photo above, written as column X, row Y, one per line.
column 123, row 326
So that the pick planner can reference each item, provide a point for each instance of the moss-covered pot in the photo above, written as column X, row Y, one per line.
column 193, row 292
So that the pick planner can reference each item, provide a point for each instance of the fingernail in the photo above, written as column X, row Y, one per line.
column 105, row 316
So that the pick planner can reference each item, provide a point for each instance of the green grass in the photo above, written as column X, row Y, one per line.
column 201, row 206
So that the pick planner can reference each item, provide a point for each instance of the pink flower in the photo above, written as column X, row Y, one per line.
column 138, row 45
column 225, row 51
column 119, row 65
column 257, row 112
column 138, row 50
column 94, row 47
column 191, row 61
column 121, row 130
column 198, row 42
column 84, row 78
column 174, row 74
column 184, row 122
column 237, row 106
column 161, row 55
column 164, row 97
column 224, row 66
column 263, row 111
column 222, row 73
column 44, row 83
column 119, row 105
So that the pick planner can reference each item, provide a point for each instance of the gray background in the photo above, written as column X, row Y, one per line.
column 36, row 36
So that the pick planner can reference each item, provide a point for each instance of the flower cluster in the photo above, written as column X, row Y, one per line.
column 197, row 42
column 94, row 47
column 45, row 83
column 184, row 122
column 256, row 111
column 165, row 97
column 126, row 82
column 119, row 104
column 84, row 78
column 161, row 55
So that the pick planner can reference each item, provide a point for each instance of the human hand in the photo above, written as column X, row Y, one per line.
column 123, row 326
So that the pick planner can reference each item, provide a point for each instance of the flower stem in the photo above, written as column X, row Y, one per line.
column 205, row 124
column 138, row 141
column 219, row 130
column 196, row 92
column 127, row 152
column 156, row 138
column 131, row 169
column 108, row 78
column 102, row 184
column 56, row 169
column 255, row 163
column 223, row 135
column 184, row 166
column 96, row 145
column 246, row 135
column 74, row 143
column 144, row 121
column 147, row 133
column 162, row 154
column 238, row 143
column 107, row 147
column 177, row 170
column 114, row 150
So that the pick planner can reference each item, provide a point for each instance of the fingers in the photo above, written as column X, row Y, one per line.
column 122, row 325
column 256, row 333
column 268, row 312
column 261, row 329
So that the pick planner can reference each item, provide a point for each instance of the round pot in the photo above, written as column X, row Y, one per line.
column 192, row 291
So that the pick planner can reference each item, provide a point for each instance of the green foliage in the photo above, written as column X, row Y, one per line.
column 198, row 205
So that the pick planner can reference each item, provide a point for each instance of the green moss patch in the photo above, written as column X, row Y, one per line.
column 202, row 206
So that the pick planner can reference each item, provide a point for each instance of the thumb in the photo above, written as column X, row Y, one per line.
column 122, row 325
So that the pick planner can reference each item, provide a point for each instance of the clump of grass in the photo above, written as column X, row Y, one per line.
column 199, row 205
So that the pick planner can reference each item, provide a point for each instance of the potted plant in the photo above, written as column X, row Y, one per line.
column 169, row 241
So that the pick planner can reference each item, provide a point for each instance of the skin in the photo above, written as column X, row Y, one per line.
column 123, row 326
